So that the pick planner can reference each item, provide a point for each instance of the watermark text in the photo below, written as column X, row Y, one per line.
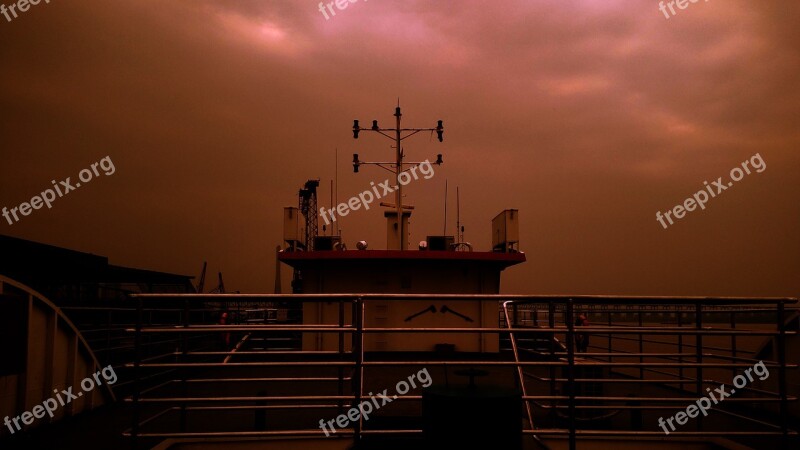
column 21, row 6
column 701, row 197
column 51, row 405
column 364, row 409
column 703, row 404
column 381, row 190
column 62, row 188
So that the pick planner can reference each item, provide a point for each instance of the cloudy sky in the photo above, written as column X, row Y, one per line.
column 588, row 116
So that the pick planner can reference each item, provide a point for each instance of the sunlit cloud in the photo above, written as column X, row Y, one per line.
column 261, row 32
column 572, row 85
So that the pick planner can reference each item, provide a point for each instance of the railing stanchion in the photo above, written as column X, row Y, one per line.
column 108, row 356
column 184, row 351
column 136, row 375
column 698, row 319
column 358, row 379
column 610, row 324
column 680, row 343
column 551, row 323
column 571, row 371
column 641, row 346
column 782, row 374
column 733, row 342
column 341, row 352
column 516, row 313
column 520, row 371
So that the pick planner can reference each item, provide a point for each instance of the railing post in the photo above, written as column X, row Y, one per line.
column 184, row 351
column 641, row 346
column 551, row 323
column 733, row 342
column 679, row 312
column 107, row 354
column 358, row 378
column 520, row 371
column 137, row 357
column 571, row 372
column 341, row 350
column 610, row 324
column 698, row 312
column 516, row 311
column 782, row 374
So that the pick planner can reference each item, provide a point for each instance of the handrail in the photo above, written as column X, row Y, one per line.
column 353, row 359
column 520, row 375
column 579, row 299
column 59, row 314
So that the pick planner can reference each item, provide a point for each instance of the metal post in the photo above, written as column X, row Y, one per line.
column 358, row 378
column 107, row 353
column 341, row 352
column 184, row 352
column 399, row 193
column 571, row 372
column 733, row 342
column 782, row 374
column 680, row 344
column 520, row 371
column 698, row 312
column 609, row 336
column 515, row 309
column 137, row 357
column 551, row 322
column 641, row 346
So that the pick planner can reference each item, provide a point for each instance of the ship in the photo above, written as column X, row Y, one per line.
column 384, row 348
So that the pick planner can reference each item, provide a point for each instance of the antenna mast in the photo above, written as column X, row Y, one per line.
column 459, row 236
column 335, row 225
column 402, row 239
column 444, row 231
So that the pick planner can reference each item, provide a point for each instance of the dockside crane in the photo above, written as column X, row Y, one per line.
column 308, row 208
column 202, row 282
column 220, row 289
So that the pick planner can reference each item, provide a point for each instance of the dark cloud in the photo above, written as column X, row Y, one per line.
column 587, row 115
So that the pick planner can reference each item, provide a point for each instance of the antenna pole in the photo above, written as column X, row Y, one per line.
column 398, row 170
column 444, row 231
column 458, row 215
column 278, row 289
column 395, row 134
column 333, row 205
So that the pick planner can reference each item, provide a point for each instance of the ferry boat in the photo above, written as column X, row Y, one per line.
column 386, row 348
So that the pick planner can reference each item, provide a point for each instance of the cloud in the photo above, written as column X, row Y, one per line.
column 594, row 113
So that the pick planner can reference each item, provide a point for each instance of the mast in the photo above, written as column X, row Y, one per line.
column 396, row 167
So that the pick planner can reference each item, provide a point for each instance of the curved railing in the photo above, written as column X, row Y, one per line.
column 58, row 357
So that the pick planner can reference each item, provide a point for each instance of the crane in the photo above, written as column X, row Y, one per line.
column 308, row 208
column 220, row 289
column 202, row 282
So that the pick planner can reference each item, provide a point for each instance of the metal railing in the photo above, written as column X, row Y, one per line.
column 644, row 366
column 668, row 365
column 105, row 330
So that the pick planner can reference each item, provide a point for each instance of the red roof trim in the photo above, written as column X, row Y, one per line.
column 492, row 257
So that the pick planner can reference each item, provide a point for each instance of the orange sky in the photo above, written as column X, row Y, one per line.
column 586, row 115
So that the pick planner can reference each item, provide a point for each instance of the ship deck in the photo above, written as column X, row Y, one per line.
column 648, row 357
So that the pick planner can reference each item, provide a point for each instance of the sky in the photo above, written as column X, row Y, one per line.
column 588, row 116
